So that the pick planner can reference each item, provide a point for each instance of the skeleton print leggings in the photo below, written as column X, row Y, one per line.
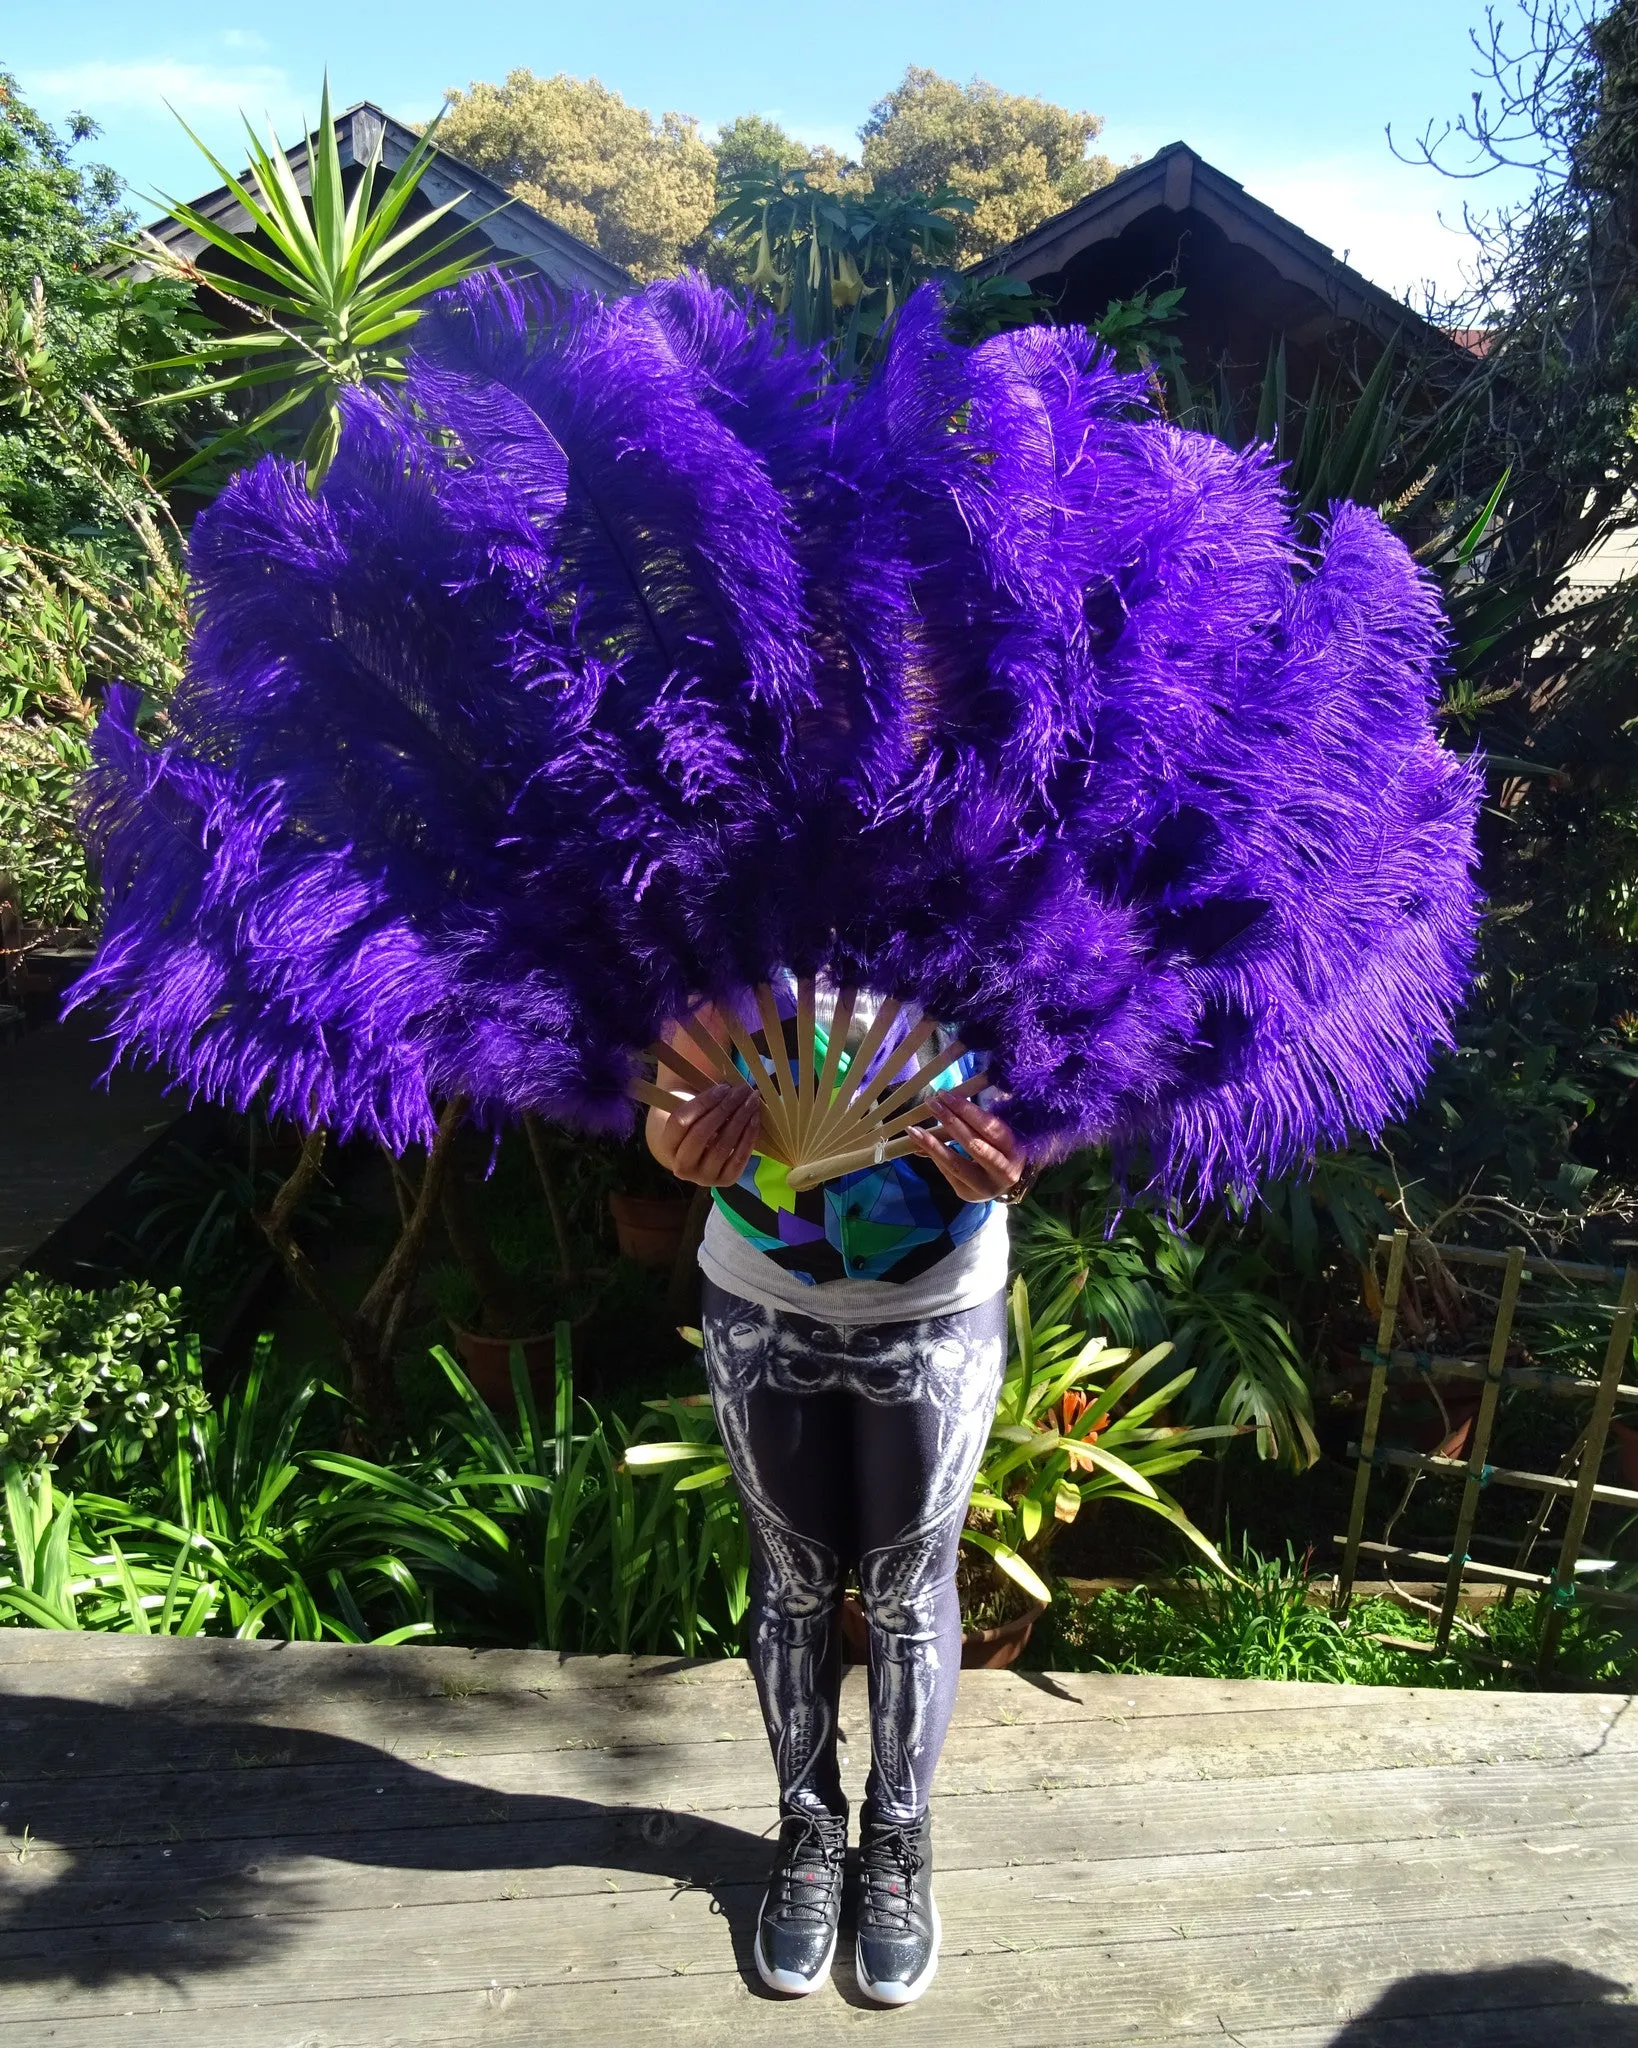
column 854, row 1445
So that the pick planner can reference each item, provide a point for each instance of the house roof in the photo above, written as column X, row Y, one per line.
column 1175, row 209
column 514, row 229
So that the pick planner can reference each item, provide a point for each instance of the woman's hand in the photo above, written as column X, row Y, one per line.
column 709, row 1141
column 990, row 1162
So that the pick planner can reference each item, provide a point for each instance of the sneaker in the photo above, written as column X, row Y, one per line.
column 802, row 1907
column 898, row 1922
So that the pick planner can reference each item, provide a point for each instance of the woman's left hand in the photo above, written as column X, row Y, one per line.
column 990, row 1162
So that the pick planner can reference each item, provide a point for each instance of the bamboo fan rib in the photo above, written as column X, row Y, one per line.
column 820, row 1124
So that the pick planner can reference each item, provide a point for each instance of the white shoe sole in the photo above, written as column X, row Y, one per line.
column 786, row 1982
column 895, row 1991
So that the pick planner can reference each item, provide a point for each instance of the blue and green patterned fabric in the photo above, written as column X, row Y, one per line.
column 888, row 1222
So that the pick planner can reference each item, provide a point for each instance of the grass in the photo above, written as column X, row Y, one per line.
column 1263, row 1624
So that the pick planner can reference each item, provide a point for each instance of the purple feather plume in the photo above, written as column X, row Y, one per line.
column 623, row 658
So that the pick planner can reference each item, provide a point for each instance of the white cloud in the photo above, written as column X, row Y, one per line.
column 146, row 87
column 244, row 39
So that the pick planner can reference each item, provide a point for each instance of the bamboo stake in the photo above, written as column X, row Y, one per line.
column 1373, row 1416
column 1555, row 1486
column 1592, row 1456
column 1476, row 1472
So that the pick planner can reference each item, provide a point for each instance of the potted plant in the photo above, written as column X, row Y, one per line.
column 514, row 1275
column 1073, row 1425
column 1061, row 1438
column 650, row 1209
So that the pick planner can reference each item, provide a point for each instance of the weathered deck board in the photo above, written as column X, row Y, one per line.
column 322, row 1847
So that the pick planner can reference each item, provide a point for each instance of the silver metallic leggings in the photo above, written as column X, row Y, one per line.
column 854, row 1445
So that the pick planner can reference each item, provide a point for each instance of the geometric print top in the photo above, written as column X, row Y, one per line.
column 887, row 1222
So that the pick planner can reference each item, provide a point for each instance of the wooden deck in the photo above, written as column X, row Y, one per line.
column 266, row 1846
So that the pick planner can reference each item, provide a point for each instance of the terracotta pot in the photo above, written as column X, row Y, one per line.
column 488, row 1362
column 994, row 1649
column 982, row 1649
column 649, row 1230
column 1624, row 1436
column 1416, row 1414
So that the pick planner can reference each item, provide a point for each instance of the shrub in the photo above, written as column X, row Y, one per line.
column 502, row 1531
column 1262, row 1622
column 78, row 1364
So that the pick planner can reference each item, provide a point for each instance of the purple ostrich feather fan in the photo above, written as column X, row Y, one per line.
column 623, row 658
column 1181, row 848
column 486, row 757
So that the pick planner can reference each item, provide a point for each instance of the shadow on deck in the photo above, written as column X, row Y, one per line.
column 210, row 1842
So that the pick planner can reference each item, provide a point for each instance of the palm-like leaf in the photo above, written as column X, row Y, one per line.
column 333, row 280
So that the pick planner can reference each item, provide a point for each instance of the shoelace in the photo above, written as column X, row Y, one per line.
column 797, row 1891
column 888, row 1868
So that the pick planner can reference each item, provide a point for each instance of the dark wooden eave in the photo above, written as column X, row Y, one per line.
column 1247, row 272
column 515, row 231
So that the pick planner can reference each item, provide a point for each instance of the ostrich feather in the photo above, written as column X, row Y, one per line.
column 624, row 658
column 1183, row 854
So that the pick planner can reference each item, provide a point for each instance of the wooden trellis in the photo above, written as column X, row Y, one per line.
column 1577, row 1481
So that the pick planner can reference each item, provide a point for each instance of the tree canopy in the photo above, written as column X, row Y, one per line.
column 61, row 325
column 645, row 191
column 1019, row 159
column 640, row 190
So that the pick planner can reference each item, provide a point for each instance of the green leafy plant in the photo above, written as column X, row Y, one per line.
column 333, row 285
column 104, row 598
column 838, row 265
column 497, row 1532
column 548, row 1539
column 1218, row 1301
column 1074, row 1425
column 1269, row 1620
column 1229, row 1325
column 1142, row 331
column 199, row 1208
column 235, row 1525
column 79, row 1364
column 1259, row 1622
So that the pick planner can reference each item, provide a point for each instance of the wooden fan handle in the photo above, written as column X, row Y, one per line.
column 767, row 1141
column 808, row 1173
column 812, row 1172
column 668, row 1058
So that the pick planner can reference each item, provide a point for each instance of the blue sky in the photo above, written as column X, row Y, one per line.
column 1291, row 99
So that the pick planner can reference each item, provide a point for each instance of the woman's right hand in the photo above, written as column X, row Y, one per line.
column 709, row 1141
